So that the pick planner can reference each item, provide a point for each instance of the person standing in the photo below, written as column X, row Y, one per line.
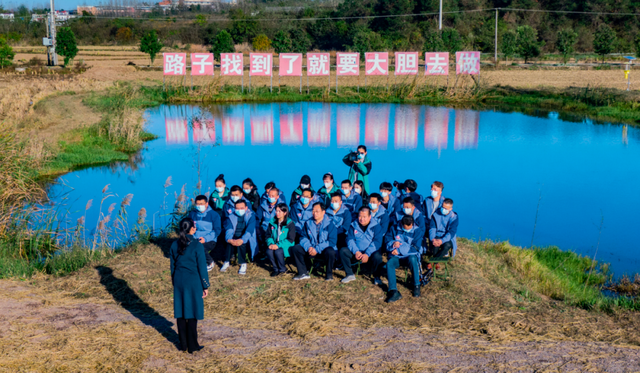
column 360, row 168
column 208, row 227
column 190, row 281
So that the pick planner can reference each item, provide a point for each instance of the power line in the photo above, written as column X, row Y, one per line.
column 569, row 12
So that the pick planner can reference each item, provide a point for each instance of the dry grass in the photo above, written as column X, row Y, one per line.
column 255, row 323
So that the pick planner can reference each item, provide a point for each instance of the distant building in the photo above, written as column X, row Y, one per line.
column 8, row 16
column 107, row 10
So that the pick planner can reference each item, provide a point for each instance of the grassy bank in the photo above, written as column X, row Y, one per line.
column 599, row 104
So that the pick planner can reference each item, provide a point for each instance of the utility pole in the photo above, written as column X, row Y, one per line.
column 439, row 20
column 52, row 36
column 495, row 56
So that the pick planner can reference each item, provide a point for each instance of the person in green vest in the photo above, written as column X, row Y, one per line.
column 281, row 235
column 190, row 281
column 359, row 166
column 328, row 189
column 220, row 195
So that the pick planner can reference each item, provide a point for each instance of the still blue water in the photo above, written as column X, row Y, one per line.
column 494, row 165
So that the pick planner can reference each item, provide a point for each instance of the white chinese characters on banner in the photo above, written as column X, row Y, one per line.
column 260, row 64
column 202, row 64
column 348, row 64
column 317, row 64
column 467, row 63
column 174, row 63
column 290, row 64
column 376, row 63
column 231, row 64
column 437, row 63
column 406, row 63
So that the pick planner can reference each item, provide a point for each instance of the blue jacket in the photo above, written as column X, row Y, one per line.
column 264, row 215
column 393, row 205
column 444, row 227
column 366, row 242
column 353, row 202
column 300, row 215
column 319, row 236
column 249, row 236
column 410, row 242
column 230, row 206
column 382, row 218
column 427, row 208
column 419, row 199
column 418, row 219
column 341, row 219
column 208, row 224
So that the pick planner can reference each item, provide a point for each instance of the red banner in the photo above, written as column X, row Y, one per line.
column 232, row 130
column 291, row 132
column 376, row 133
column 406, row 127
column 204, row 132
column 262, row 128
column 348, row 126
column 177, row 131
column 436, row 128
column 319, row 125
column 467, row 129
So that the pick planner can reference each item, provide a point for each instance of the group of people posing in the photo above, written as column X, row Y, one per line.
column 339, row 225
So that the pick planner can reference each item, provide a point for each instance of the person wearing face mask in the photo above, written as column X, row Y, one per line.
column 340, row 217
column 267, row 188
column 378, row 211
column 403, row 244
column 240, row 234
column 360, row 168
column 250, row 192
column 443, row 230
column 408, row 189
column 328, row 188
column 351, row 200
column 266, row 212
column 236, row 194
column 389, row 199
column 409, row 209
column 302, row 211
column 305, row 183
column 364, row 239
column 281, row 236
column 358, row 188
column 434, row 201
column 208, row 227
column 218, row 198
column 319, row 239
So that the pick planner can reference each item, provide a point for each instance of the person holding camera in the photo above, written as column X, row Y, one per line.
column 359, row 166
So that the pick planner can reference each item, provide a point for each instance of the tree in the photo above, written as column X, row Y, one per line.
column 528, row 44
column 261, row 43
column 124, row 35
column 509, row 44
column 637, row 45
column 6, row 53
column 150, row 45
column 223, row 43
column 433, row 42
column 451, row 40
column 282, row 42
column 300, row 40
column 201, row 20
column 366, row 40
column 565, row 43
column 604, row 40
column 242, row 28
column 66, row 44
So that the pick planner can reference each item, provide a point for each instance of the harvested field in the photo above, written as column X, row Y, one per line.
column 117, row 315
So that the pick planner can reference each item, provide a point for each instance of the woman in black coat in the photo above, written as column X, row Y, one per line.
column 190, row 280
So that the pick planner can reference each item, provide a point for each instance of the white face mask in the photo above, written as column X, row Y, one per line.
column 201, row 208
column 384, row 194
column 328, row 185
column 434, row 193
column 445, row 211
column 358, row 190
column 304, row 186
column 235, row 198
column 373, row 206
column 220, row 189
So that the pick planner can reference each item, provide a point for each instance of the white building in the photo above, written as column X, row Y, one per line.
column 8, row 16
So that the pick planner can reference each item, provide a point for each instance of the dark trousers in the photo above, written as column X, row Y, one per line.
column 188, row 334
column 348, row 259
column 440, row 252
column 209, row 247
column 242, row 253
column 394, row 262
column 300, row 256
column 276, row 257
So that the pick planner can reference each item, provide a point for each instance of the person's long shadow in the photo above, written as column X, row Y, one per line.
column 130, row 301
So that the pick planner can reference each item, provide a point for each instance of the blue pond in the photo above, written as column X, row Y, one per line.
column 497, row 167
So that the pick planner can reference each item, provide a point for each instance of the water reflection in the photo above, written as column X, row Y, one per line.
column 286, row 122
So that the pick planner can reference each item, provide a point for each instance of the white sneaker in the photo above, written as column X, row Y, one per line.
column 348, row 279
column 210, row 267
column 225, row 266
column 243, row 269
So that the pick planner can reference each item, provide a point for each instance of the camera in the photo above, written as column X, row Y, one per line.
column 399, row 186
column 352, row 156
